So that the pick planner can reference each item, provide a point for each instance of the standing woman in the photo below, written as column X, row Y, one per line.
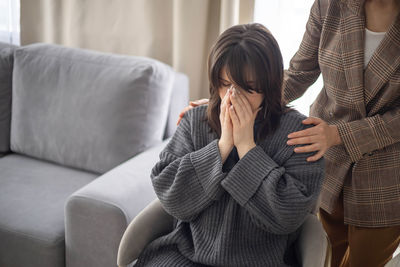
column 355, row 44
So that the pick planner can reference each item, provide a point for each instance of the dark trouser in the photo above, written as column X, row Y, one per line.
column 354, row 246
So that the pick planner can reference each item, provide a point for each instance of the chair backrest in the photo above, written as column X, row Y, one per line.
column 91, row 110
column 312, row 248
column 312, row 245
column 152, row 222
column 395, row 262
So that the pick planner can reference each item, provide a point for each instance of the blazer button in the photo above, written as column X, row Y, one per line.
column 331, row 113
column 370, row 154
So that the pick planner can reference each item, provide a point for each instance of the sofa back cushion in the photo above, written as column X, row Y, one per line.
column 179, row 100
column 6, row 67
column 86, row 109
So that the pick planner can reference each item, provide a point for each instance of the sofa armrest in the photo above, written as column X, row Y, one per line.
column 312, row 245
column 97, row 215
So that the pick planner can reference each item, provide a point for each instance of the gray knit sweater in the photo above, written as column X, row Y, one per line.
column 245, row 217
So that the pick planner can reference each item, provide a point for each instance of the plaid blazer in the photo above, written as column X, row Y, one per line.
column 365, row 104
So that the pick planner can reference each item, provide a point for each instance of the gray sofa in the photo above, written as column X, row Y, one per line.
column 79, row 134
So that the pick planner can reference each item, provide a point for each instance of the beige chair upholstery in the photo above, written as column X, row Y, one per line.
column 312, row 246
column 150, row 223
column 395, row 262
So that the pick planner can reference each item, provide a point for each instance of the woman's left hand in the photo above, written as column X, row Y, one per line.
column 319, row 138
column 242, row 117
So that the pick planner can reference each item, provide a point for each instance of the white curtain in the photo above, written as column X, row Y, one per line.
column 177, row 32
column 287, row 19
column 9, row 21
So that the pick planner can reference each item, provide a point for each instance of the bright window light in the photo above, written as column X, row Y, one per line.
column 9, row 21
column 286, row 19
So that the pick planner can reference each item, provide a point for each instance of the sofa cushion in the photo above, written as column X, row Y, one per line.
column 6, row 66
column 86, row 109
column 178, row 101
column 32, row 199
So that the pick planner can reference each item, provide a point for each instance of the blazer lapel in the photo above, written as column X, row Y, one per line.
column 352, row 25
column 384, row 62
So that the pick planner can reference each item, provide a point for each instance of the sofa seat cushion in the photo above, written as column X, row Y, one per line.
column 32, row 199
column 86, row 109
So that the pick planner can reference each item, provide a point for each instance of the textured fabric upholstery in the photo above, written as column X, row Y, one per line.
column 85, row 109
column 32, row 198
column 100, row 211
column 6, row 66
column 153, row 221
column 77, row 114
column 179, row 99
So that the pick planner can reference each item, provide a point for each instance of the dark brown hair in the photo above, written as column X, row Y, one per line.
column 242, row 49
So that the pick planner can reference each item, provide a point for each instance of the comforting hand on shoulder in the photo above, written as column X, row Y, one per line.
column 318, row 138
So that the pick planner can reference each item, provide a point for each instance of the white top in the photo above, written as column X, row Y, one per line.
column 372, row 40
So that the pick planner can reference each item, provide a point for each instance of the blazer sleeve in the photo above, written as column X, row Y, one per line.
column 187, row 181
column 277, row 197
column 304, row 68
column 364, row 136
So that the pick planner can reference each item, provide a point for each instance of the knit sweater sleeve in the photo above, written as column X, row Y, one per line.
column 277, row 197
column 187, row 181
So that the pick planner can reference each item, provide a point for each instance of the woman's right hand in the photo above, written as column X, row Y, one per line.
column 192, row 104
column 225, row 143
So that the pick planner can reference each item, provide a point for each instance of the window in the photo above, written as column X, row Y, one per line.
column 9, row 21
column 286, row 19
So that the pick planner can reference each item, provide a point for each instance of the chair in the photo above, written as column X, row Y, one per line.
column 312, row 246
column 395, row 262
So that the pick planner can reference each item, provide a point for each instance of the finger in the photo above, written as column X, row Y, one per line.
column 223, row 111
column 227, row 123
column 312, row 120
column 183, row 114
column 316, row 156
column 227, row 116
column 237, row 97
column 303, row 140
column 187, row 108
column 238, row 104
column 223, row 100
column 309, row 148
column 306, row 132
column 246, row 103
column 227, row 95
column 234, row 117
column 199, row 102
column 228, row 100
